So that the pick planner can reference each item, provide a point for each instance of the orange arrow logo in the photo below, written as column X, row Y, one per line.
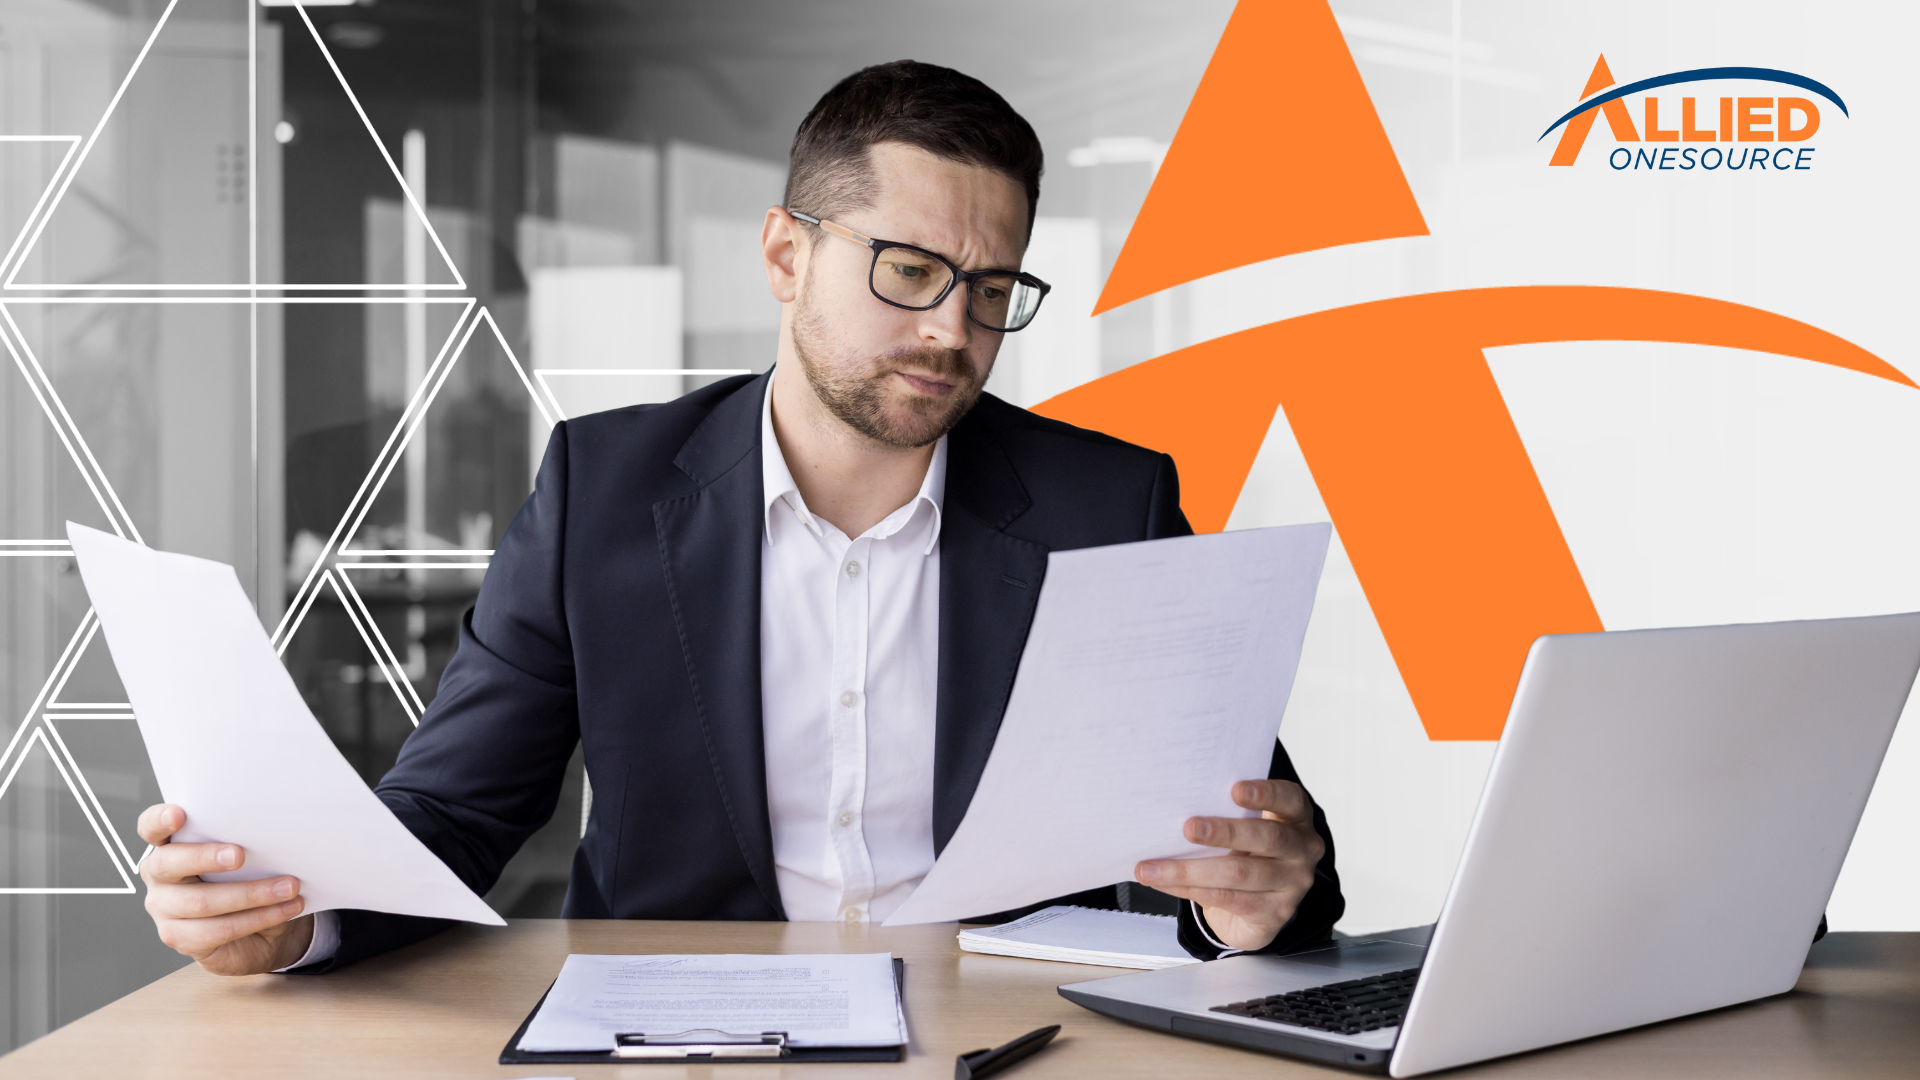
column 1393, row 404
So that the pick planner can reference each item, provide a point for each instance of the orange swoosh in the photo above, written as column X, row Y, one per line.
column 1417, row 458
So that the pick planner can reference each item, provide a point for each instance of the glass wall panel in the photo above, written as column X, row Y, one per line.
column 133, row 385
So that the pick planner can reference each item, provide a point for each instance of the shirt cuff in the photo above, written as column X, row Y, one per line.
column 1199, row 920
column 326, row 941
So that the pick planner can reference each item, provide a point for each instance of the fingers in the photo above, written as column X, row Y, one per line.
column 159, row 822
column 1263, row 836
column 203, row 900
column 271, row 949
column 199, row 937
column 1255, row 836
column 170, row 864
column 1281, row 804
column 1235, row 873
column 1270, row 909
column 1250, row 894
column 1282, row 798
column 205, row 919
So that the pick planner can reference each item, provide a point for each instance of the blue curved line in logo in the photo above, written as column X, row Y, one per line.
column 1702, row 75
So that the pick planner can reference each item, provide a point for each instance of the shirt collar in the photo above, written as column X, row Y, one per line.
column 777, row 486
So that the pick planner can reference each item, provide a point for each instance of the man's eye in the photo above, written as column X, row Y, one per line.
column 991, row 293
column 911, row 273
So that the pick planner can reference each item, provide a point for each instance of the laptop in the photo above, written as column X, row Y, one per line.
column 1661, row 829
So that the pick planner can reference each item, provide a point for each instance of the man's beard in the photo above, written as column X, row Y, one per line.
column 860, row 401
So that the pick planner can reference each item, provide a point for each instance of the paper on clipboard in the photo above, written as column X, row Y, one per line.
column 232, row 741
column 832, row 1000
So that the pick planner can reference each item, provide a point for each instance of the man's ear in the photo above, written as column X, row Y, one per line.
column 781, row 248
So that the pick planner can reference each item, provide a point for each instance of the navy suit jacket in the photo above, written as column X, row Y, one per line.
column 622, row 611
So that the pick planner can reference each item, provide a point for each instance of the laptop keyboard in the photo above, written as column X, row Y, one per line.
column 1347, row 1008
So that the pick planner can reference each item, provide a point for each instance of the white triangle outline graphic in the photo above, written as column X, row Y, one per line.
column 91, row 800
column 542, row 375
column 114, row 709
column 303, row 597
column 416, row 412
column 76, row 444
column 459, row 282
column 328, row 573
column 40, row 204
column 60, row 666
column 55, row 709
column 36, row 728
column 57, row 755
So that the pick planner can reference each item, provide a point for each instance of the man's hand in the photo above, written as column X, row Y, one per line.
column 231, row 928
column 1250, row 894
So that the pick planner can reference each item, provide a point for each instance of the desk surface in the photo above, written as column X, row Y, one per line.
column 444, row 1008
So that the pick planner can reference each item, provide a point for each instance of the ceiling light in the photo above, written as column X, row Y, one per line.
column 1119, row 150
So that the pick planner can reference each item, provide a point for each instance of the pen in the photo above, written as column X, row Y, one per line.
column 981, row 1063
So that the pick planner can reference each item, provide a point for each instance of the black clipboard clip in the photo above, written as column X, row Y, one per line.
column 707, row 1043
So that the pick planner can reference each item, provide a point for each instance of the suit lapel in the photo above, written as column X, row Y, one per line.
column 710, row 549
column 989, row 586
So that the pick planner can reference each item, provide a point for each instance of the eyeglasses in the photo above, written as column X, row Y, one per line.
column 918, row 280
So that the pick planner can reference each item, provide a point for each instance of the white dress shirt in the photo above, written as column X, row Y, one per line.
column 849, row 662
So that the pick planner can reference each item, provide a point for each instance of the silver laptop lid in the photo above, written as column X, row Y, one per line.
column 1664, row 821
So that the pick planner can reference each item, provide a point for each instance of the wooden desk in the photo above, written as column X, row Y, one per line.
column 445, row 1007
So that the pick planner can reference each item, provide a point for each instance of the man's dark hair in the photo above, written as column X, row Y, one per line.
column 937, row 109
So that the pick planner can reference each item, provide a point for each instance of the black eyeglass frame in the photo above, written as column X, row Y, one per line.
column 959, row 275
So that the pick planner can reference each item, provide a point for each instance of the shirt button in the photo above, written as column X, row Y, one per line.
column 853, row 569
column 853, row 914
column 848, row 698
column 845, row 819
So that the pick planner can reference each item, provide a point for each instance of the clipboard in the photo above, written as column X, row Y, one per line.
column 753, row 1048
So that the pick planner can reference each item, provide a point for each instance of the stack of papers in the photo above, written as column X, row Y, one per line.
column 815, row 1000
column 1077, row 935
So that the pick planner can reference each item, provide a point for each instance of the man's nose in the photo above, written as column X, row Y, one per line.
column 946, row 323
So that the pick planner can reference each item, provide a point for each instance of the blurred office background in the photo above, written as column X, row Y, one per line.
column 219, row 322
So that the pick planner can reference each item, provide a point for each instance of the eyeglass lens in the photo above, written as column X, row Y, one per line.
column 914, row 279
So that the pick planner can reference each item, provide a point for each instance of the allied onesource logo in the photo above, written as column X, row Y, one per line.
column 1760, row 131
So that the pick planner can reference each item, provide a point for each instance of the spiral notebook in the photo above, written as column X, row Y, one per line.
column 1076, row 935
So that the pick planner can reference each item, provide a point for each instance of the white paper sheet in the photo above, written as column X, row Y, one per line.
column 232, row 741
column 821, row 1000
column 1154, row 677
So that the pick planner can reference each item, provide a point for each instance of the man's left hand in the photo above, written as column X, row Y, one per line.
column 1250, row 893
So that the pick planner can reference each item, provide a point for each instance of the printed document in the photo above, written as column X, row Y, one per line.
column 820, row 1000
column 1154, row 677
column 233, row 742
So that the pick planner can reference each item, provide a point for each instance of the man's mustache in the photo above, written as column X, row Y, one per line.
column 944, row 363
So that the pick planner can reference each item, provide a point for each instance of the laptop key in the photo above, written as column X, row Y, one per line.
column 1346, row 1008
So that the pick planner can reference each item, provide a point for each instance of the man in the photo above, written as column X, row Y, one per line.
column 782, row 614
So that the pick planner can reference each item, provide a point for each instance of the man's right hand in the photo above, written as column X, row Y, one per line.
column 231, row 928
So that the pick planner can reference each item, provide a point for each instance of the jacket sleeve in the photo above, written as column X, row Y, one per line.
column 1164, row 516
column 483, row 770
column 1312, row 922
